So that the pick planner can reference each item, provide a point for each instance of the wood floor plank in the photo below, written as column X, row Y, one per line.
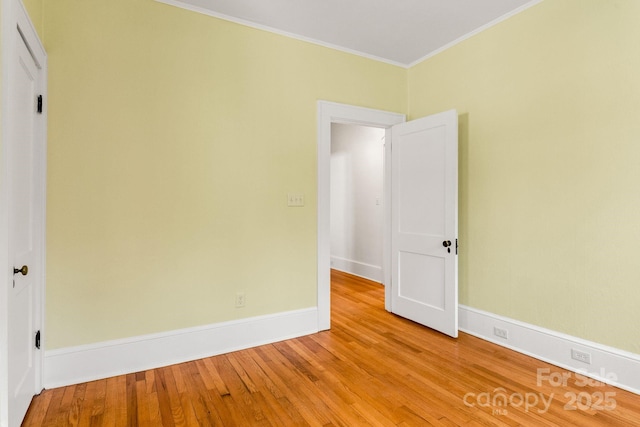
column 239, row 405
column 132, row 401
column 75, row 413
column 110, row 402
column 314, row 410
column 371, row 369
column 215, row 377
column 98, row 405
column 176, row 414
column 267, row 392
column 54, row 412
column 143, row 397
column 303, row 399
column 38, row 409
column 198, row 395
column 164, row 400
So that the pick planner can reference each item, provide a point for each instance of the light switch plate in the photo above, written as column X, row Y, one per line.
column 295, row 200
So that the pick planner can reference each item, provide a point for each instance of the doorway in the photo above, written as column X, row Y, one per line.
column 420, row 213
column 328, row 113
column 357, row 187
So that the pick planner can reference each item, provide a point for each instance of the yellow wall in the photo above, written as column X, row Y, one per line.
column 35, row 10
column 174, row 139
column 549, row 102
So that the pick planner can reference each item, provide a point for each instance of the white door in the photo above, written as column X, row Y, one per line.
column 25, row 206
column 424, row 221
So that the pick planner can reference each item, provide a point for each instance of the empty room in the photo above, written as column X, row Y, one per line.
column 194, row 234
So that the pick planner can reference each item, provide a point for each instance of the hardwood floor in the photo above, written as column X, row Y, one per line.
column 371, row 369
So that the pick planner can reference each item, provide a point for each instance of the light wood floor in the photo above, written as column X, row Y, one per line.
column 371, row 369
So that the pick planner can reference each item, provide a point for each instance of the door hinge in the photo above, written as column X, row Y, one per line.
column 39, row 104
column 38, row 340
column 456, row 246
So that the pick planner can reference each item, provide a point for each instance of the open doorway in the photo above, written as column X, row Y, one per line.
column 357, row 188
column 425, row 279
column 329, row 113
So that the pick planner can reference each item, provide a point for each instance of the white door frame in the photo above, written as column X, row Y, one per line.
column 331, row 112
column 14, row 16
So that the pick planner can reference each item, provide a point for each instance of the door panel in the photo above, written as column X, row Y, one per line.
column 421, row 207
column 23, row 231
column 423, row 216
column 416, row 270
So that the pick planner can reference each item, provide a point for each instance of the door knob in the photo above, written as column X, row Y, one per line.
column 24, row 270
column 446, row 243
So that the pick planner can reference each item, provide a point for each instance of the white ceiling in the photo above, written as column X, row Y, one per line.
column 401, row 32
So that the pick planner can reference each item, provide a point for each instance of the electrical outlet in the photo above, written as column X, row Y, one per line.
column 240, row 299
column 499, row 332
column 581, row 356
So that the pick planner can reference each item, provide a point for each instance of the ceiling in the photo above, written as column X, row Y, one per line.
column 401, row 32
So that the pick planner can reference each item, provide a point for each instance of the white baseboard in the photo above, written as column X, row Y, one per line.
column 609, row 365
column 357, row 268
column 106, row 359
